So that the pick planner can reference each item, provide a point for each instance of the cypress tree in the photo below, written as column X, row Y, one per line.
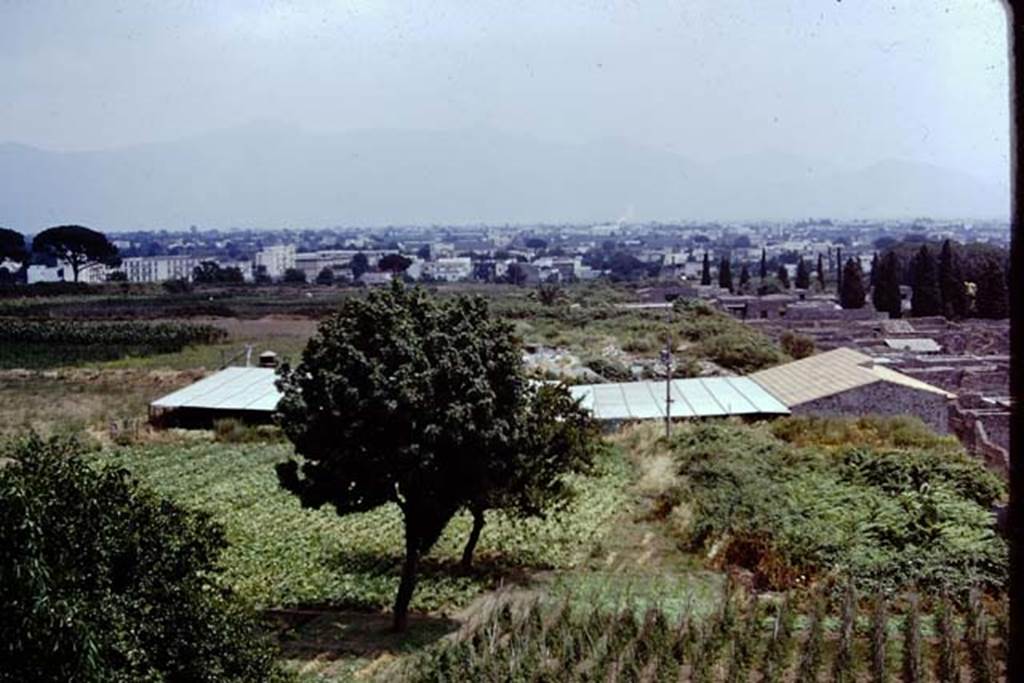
column 744, row 276
column 783, row 276
column 927, row 298
column 705, row 272
column 764, row 264
column 725, row 274
column 951, row 283
column 874, row 269
column 990, row 299
column 885, row 294
column 839, row 269
column 821, row 272
column 803, row 275
column 851, row 288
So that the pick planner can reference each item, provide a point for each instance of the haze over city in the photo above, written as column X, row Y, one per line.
column 278, row 114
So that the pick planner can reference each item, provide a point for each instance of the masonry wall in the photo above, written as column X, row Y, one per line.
column 882, row 398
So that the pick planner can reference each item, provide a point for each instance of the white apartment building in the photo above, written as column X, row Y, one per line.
column 275, row 260
column 159, row 268
column 449, row 269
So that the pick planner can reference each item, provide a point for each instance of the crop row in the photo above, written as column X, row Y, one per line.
column 281, row 554
column 165, row 337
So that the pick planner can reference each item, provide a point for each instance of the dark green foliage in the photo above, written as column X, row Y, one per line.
column 885, row 515
column 102, row 580
column 873, row 277
column 211, row 272
column 725, row 274
column 394, row 263
column 947, row 659
column 359, row 264
column 851, row 291
column 886, row 292
column 406, row 399
column 803, row 274
column 927, row 297
column 324, row 277
column 955, row 303
column 763, row 271
column 879, row 638
column 77, row 246
column 46, row 343
column 991, row 300
column 705, row 270
column 12, row 246
column 913, row 648
column 783, row 275
column 821, row 271
column 294, row 276
column 744, row 276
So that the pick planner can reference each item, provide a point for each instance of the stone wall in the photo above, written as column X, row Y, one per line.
column 882, row 398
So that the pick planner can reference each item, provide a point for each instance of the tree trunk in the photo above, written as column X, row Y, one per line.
column 474, row 536
column 408, row 582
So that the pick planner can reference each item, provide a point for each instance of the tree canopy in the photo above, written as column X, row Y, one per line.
column 359, row 264
column 405, row 399
column 955, row 303
column 927, row 297
column 725, row 274
column 102, row 580
column 783, row 275
column 211, row 272
column 851, row 291
column 12, row 246
column 803, row 274
column 705, row 270
column 77, row 246
column 394, row 263
column 991, row 299
column 885, row 295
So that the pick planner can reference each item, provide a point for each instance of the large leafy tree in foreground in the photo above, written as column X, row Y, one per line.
column 102, row 580
column 402, row 398
column 77, row 246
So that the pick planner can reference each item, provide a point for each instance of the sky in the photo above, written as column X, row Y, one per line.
column 854, row 82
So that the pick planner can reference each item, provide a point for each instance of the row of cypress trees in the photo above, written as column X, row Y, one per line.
column 939, row 287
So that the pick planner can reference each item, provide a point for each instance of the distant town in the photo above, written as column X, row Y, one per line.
column 509, row 254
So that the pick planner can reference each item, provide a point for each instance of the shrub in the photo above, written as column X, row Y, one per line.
column 796, row 345
column 102, row 580
column 884, row 517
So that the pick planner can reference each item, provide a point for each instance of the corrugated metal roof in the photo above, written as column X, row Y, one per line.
column 917, row 344
column 829, row 373
column 699, row 397
column 229, row 389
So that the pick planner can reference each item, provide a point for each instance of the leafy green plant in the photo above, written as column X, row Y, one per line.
column 103, row 580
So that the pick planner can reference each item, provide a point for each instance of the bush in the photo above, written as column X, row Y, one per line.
column 796, row 345
column 230, row 430
column 102, row 580
column 887, row 517
column 725, row 340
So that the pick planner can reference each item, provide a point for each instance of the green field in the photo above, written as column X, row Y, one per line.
column 281, row 554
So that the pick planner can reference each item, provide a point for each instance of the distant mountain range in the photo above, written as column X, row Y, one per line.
column 273, row 176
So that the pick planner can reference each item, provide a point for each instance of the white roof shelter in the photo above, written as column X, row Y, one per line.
column 230, row 389
column 696, row 397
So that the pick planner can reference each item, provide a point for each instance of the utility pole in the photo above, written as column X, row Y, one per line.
column 666, row 356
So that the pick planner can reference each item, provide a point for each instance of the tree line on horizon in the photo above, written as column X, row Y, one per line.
column 76, row 245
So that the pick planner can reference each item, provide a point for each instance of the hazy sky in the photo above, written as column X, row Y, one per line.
column 854, row 81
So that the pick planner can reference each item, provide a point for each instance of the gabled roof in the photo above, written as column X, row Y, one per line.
column 829, row 373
